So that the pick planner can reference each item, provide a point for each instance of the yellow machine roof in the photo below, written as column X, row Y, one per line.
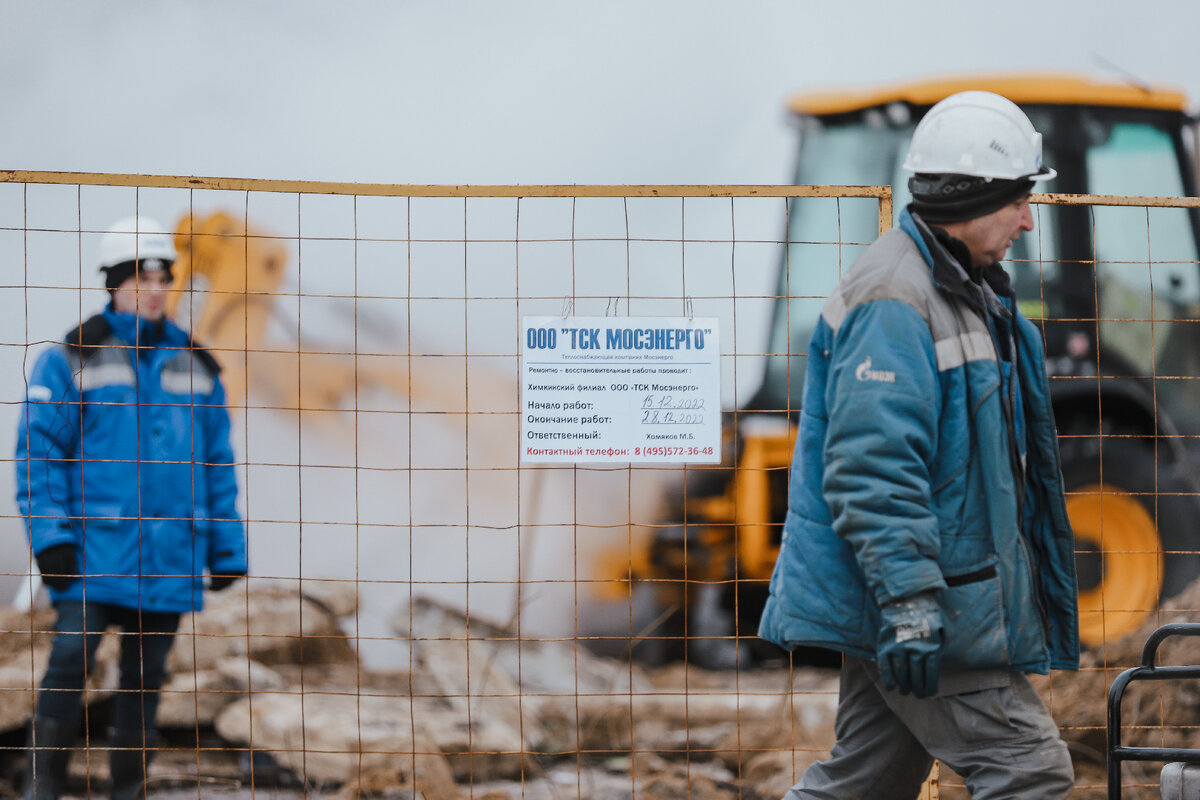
column 1050, row 88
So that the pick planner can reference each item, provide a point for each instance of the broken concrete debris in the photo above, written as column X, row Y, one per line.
column 269, row 672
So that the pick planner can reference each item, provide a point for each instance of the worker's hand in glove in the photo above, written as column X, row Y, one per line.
column 910, row 644
column 217, row 582
column 59, row 566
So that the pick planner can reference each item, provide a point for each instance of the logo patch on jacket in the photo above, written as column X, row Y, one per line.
column 864, row 373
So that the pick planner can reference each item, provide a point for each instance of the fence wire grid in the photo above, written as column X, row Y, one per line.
column 425, row 612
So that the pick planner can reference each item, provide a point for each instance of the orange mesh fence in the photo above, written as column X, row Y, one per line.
column 425, row 610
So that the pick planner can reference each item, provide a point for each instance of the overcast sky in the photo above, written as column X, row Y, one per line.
column 543, row 91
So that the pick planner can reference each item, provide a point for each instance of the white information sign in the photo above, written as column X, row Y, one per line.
column 605, row 389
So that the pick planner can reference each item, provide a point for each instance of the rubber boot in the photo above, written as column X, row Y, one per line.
column 46, row 774
column 128, row 760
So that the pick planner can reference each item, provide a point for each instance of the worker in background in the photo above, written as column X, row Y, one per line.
column 927, row 537
column 126, row 481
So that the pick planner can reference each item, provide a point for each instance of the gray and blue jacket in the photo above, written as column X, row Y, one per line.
column 920, row 465
column 123, row 451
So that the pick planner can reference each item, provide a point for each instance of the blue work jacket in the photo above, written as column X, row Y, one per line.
column 909, row 473
column 123, row 452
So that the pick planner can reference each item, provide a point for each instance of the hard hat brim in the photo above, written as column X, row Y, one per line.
column 1044, row 174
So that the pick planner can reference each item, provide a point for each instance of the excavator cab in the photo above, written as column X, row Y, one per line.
column 1115, row 289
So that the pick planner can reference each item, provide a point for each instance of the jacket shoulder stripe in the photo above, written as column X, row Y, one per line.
column 98, row 365
column 111, row 373
column 196, row 381
column 954, row 351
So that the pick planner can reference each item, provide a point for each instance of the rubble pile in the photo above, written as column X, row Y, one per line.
column 486, row 713
column 501, row 715
column 571, row 702
column 267, row 670
column 248, row 639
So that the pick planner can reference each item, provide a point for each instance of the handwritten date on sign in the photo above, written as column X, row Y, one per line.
column 666, row 409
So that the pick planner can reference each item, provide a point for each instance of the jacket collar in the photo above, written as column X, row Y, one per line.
column 979, row 287
column 132, row 329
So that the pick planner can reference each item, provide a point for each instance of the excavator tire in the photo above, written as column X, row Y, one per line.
column 1136, row 541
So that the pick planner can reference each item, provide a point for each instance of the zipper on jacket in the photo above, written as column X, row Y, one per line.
column 1009, row 404
column 946, row 266
column 972, row 295
column 1020, row 475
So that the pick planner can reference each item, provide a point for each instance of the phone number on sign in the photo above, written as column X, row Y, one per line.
column 672, row 451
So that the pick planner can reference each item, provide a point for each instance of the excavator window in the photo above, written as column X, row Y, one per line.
column 1096, row 151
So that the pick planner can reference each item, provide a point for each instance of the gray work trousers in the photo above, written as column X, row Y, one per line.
column 1001, row 739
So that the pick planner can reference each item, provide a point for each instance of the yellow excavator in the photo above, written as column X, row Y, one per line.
column 227, row 285
column 1123, row 347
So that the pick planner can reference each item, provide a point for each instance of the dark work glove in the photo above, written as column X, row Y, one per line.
column 217, row 582
column 910, row 644
column 59, row 566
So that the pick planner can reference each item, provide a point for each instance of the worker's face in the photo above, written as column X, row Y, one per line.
column 144, row 294
column 989, row 237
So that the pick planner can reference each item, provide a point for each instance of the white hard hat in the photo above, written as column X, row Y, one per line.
column 137, row 239
column 980, row 134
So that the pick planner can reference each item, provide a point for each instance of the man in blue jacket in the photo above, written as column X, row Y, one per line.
column 126, row 480
column 927, row 536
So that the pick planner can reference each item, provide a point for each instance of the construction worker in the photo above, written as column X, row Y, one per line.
column 926, row 536
column 126, row 481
